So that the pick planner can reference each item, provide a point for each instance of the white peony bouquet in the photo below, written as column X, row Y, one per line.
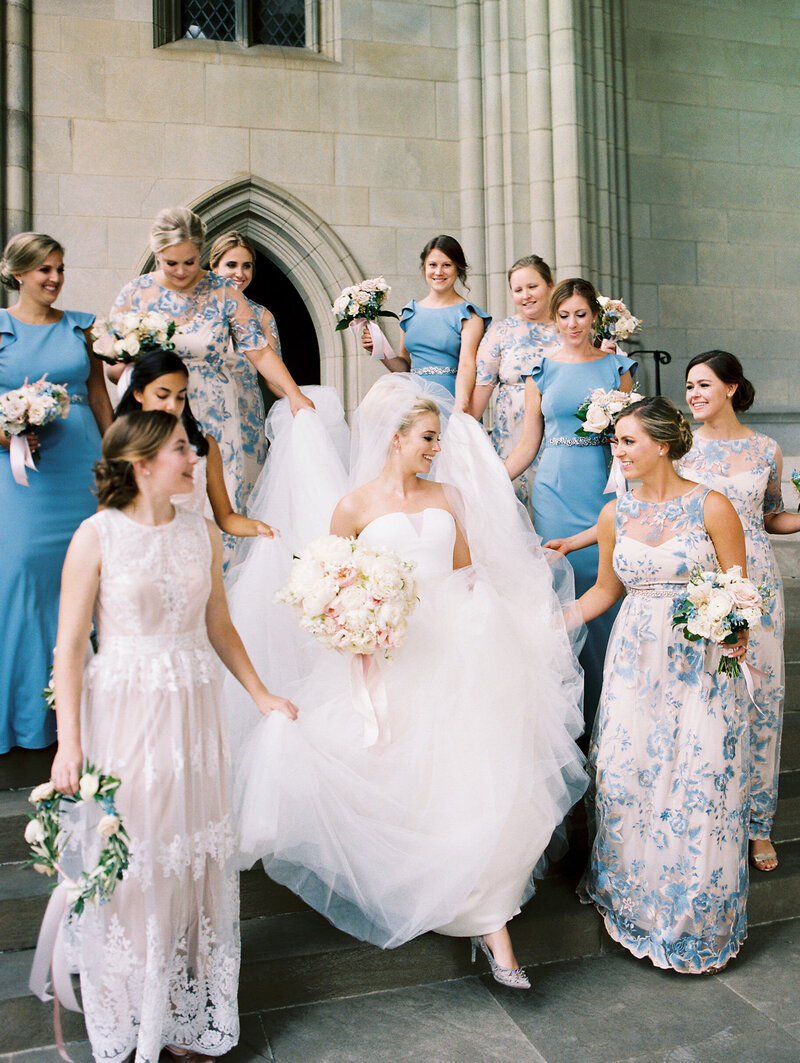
column 124, row 337
column 598, row 410
column 362, row 302
column 26, row 408
column 718, row 606
column 615, row 321
column 350, row 597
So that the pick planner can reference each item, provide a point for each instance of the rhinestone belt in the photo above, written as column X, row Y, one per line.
column 81, row 400
column 661, row 590
column 435, row 371
column 576, row 441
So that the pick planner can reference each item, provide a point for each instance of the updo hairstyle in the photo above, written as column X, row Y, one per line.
column 150, row 367
column 132, row 437
column 227, row 242
column 574, row 286
column 23, row 252
column 532, row 262
column 728, row 368
column 176, row 225
column 663, row 422
column 449, row 246
column 422, row 406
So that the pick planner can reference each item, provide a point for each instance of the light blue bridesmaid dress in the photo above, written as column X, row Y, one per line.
column 568, row 491
column 40, row 519
column 433, row 338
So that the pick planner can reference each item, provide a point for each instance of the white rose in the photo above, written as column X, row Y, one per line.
column 129, row 345
column 14, row 407
column 386, row 579
column 752, row 617
column 700, row 593
column 41, row 792
column 108, row 825
column 616, row 406
column 597, row 420
column 317, row 600
column 340, row 305
column 745, row 596
column 733, row 575
column 699, row 625
column 34, row 832
column 332, row 551
column 130, row 322
column 719, row 605
column 88, row 786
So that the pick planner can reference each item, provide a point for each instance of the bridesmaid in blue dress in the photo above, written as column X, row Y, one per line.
column 443, row 330
column 37, row 339
column 568, row 493
column 668, row 869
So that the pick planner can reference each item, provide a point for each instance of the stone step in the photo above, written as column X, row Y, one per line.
column 25, row 767
column 787, row 817
column 298, row 958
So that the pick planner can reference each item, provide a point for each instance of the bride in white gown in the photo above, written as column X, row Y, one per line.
column 441, row 828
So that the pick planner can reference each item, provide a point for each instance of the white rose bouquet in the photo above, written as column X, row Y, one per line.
column 360, row 306
column 615, row 321
column 718, row 606
column 598, row 410
column 125, row 337
column 350, row 597
column 27, row 408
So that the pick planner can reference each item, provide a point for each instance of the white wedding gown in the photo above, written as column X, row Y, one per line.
column 441, row 829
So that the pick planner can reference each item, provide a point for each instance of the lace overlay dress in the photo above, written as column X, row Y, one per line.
column 159, row 963
column 668, row 869
column 746, row 470
column 507, row 354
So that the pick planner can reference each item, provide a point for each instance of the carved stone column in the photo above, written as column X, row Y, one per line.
column 17, row 133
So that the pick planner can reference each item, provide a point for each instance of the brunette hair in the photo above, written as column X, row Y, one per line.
column 728, row 368
column 149, row 368
column 532, row 262
column 227, row 242
column 133, row 437
column 574, row 286
column 176, row 225
column 663, row 422
column 449, row 246
column 23, row 252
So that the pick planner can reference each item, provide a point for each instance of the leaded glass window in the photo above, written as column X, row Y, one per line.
column 213, row 20
column 284, row 23
column 281, row 22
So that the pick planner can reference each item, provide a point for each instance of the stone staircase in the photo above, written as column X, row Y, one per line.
column 290, row 955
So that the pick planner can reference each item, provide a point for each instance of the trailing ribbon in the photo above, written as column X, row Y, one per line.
column 381, row 348
column 747, row 675
column 616, row 480
column 50, row 956
column 370, row 700
column 21, row 457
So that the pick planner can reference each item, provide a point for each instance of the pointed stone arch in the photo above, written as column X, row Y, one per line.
column 306, row 250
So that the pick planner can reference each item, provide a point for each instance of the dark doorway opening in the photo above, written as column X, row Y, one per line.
column 299, row 347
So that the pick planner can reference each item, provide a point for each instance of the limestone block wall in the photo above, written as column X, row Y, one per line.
column 713, row 97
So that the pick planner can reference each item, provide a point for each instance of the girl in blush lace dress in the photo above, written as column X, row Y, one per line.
column 158, row 963
column 668, row 869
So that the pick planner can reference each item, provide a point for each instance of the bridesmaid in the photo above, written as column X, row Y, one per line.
column 159, row 962
column 443, row 330
column 668, row 869
column 508, row 353
column 36, row 338
column 569, row 491
column 221, row 341
column 233, row 256
column 746, row 466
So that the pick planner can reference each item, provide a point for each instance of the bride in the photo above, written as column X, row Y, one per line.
column 440, row 828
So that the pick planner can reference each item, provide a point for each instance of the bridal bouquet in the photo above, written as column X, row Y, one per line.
column 362, row 302
column 717, row 606
column 124, row 337
column 598, row 410
column 27, row 408
column 615, row 321
column 796, row 480
column 350, row 597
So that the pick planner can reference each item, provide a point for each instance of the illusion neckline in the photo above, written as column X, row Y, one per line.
column 666, row 501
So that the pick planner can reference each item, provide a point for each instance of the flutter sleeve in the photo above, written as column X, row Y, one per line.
column 488, row 358
column 466, row 310
column 624, row 365
column 245, row 327
column 406, row 314
column 773, row 496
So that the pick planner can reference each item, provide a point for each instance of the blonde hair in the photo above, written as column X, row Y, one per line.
column 176, row 225
column 419, row 409
column 23, row 252
column 663, row 422
column 227, row 242
column 133, row 437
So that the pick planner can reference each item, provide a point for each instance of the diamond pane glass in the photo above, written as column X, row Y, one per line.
column 281, row 22
column 213, row 20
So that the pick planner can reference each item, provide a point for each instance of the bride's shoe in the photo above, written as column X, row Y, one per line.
column 514, row 977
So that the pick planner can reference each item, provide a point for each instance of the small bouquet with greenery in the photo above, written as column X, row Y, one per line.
column 615, row 321
column 25, row 409
column 125, row 337
column 359, row 306
column 598, row 410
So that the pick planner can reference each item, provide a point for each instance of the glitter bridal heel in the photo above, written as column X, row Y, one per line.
column 514, row 977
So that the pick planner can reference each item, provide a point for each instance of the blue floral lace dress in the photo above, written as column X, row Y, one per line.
column 218, row 328
column 748, row 472
column 507, row 354
column 668, row 869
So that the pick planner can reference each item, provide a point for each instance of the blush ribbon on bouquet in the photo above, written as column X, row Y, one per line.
column 381, row 348
column 21, row 458
column 616, row 482
column 370, row 700
column 50, row 957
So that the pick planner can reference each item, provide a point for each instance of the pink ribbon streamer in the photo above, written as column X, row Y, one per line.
column 381, row 348
column 616, row 480
column 370, row 700
column 50, row 957
column 21, row 457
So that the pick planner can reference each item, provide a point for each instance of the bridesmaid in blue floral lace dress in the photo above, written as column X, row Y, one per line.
column 746, row 467
column 221, row 342
column 507, row 354
column 443, row 330
column 569, row 491
column 668, row 869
